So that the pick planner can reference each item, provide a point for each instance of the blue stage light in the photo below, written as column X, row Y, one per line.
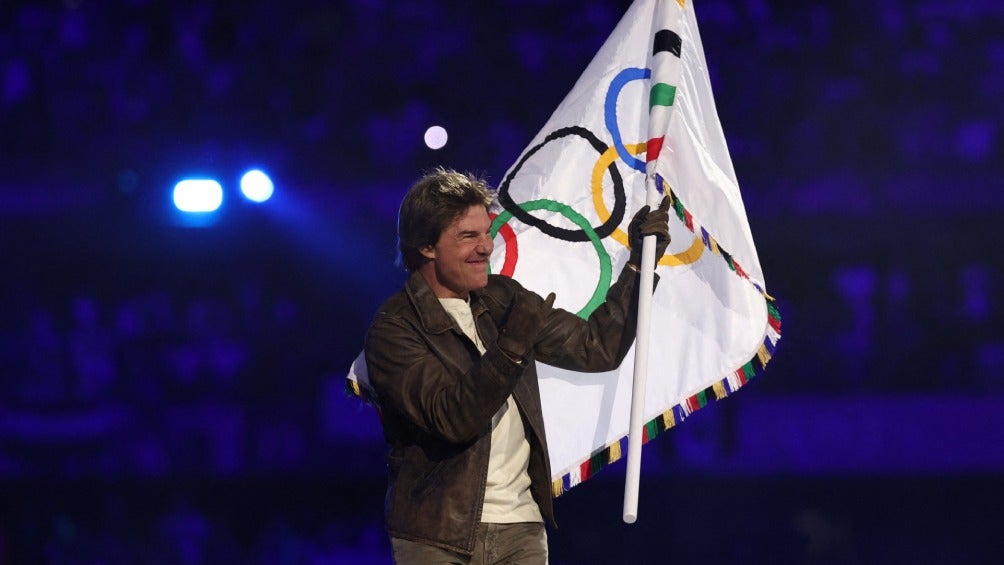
column 198, row 195
column 256, row 186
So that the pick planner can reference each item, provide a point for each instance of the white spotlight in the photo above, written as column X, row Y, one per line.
column 198, row 195
column 256, row 186
column 435, row 137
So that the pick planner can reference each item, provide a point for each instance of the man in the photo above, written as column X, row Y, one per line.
column 451, row 363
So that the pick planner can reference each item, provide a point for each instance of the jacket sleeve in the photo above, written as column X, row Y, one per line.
column 413, row 381
column 599, row 343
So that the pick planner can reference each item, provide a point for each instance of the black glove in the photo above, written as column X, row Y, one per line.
column 647, row 222
column 520, row 323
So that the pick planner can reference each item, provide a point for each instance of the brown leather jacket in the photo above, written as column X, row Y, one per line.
column 437, row 394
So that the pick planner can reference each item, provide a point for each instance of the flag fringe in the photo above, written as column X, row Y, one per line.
column 717, row 391
column 352, row 388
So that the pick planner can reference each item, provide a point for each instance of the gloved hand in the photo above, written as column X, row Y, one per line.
column 646, row 222
column 520, row 323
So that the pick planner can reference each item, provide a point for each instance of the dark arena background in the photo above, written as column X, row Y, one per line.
column 172, row 392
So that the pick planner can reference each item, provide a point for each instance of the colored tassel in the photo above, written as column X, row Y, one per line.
column 615, row 451
column 762, row 356
column 768, row 344
column 352, row 387
column 678, row 208
column 575, row 477
column 668, row 419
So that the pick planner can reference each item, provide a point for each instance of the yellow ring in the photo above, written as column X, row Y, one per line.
column 685, row 257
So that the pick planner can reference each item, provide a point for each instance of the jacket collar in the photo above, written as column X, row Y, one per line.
column 432, row 314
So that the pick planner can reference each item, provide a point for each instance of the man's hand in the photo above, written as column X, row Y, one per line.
column 520, row 324
column 646, row 222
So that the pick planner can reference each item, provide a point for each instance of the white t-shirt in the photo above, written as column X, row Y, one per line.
column 507, row 490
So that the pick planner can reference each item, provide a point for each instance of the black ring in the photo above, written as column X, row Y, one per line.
column 604, row 229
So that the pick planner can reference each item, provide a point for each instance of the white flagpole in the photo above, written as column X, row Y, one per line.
column 637, row 421
column 662, row 70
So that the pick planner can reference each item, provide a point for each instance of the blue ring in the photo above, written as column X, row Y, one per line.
column 610, row 113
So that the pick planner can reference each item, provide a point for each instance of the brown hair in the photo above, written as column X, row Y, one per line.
column 437, row 199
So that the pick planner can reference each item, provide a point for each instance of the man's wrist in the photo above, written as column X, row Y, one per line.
column 505, row 346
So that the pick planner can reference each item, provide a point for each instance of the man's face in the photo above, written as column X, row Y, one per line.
column 459, row 260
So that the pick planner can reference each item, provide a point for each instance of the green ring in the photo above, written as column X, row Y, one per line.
column 606, row 270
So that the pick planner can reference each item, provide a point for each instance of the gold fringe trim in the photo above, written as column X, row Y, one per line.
column 615, row 451
column 763, row 355
column 557, row 488
column 668, row 419
column 720, row 391
column 354, row 387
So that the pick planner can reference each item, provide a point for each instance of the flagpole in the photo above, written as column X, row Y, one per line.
column 637, row 421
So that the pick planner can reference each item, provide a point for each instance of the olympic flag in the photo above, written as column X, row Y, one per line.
column 641, row 118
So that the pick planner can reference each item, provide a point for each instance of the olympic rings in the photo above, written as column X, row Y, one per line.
column 606, row 270
column 524, row 216
column 685, row 257
column 609, row 220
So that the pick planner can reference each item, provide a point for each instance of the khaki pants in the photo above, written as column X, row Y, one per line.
column 524, row 543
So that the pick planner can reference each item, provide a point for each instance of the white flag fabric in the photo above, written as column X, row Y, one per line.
column 642, row 112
